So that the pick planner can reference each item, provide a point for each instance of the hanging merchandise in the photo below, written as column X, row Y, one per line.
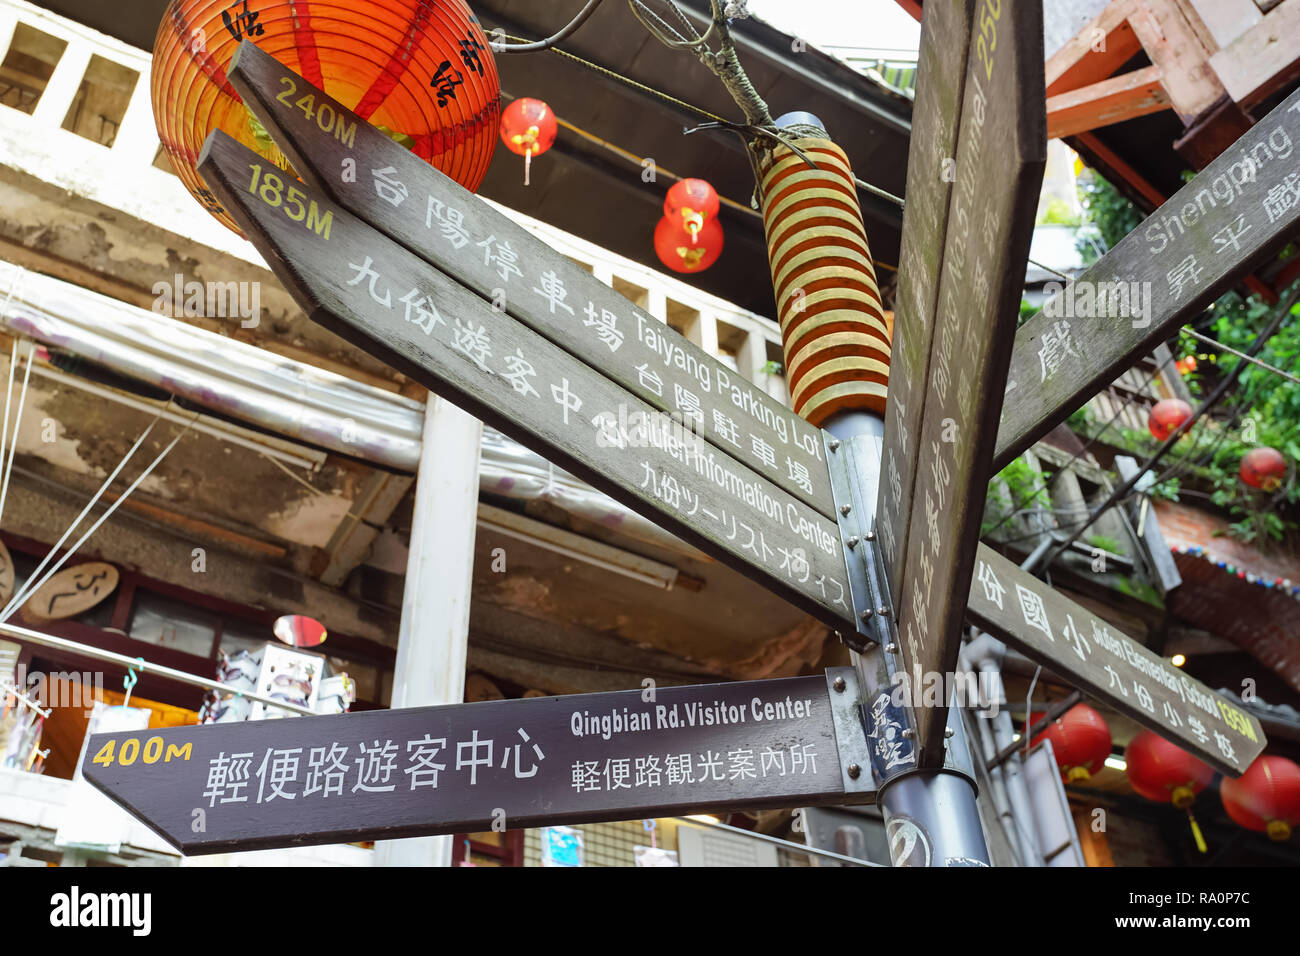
column 1167, row 416
column 681, row 251
column 1080, row 740
column 419, row 70
column 1266, row 798
column 1263, row 468
column 1164, row 773
column 693, row 202
column 528, row 128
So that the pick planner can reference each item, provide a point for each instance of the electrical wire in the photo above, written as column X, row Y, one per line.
column 549, row 42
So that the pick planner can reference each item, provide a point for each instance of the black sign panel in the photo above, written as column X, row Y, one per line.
column 1001, row 152
column 474, row 767
column 406, row 199
column 1236, row 212
column 1017, row 608
column 397, row 307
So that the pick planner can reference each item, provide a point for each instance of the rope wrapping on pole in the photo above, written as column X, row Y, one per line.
column 835, row 333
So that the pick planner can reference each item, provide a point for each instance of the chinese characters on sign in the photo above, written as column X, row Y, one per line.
column 452, row 769
column 496, row 258
column 1049, row 628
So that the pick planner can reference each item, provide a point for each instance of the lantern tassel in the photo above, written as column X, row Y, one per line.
column 1196, row 832
column 528, row 162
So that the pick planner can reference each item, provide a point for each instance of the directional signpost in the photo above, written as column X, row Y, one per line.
column 398, row 259
column 466, row 768
column 1021, row 610
column 1238, row 210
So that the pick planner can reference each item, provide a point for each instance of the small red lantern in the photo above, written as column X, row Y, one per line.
column 528, row 127
column 1263, row 468
column 1167, row 416
column 680, row 251
column 1164, row 773
column 1080, row 740
column 1265, row 798
column 1186, row 365
column 692, row 201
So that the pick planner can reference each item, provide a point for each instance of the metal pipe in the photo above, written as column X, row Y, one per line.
column 225, row 434
column 986, row 652
column 131, row 663
column 789, row 845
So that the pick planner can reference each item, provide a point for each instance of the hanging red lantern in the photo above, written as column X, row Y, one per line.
column 692, row 201
column 1162, row 772
column 1265, row 798
column 528, row 128
column 1167, row 416
column 1080, row 740
column 682, row 252
column 1263, row 468
column 420, row 70
column 1186, row 365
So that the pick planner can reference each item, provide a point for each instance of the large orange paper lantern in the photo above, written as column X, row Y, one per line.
column 420, row 70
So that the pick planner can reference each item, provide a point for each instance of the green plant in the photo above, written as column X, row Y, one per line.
column 1104, row 543
column 1025, row 489
column 1113, row 216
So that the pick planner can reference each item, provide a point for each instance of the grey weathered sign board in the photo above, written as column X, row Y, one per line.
column 371, row 176
column 397, row 307
column 1236, row 212
column 465, row 768
column 1001, row 153
column 1027, row 614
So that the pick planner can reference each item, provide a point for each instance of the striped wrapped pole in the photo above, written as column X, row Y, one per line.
column 835, row 334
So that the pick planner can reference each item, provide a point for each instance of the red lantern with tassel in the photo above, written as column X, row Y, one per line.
column 1263, row 468
column 680, row 251
column 1162, row 772
column 528, row 127
column 694, row 203
column 419, row 70
column 1265, row 798
column 1166, row 416
column 1080, row 740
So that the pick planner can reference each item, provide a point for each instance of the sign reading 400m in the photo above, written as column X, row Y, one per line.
column 472, row 767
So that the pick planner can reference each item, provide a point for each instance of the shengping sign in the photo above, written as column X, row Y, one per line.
column 466, row 768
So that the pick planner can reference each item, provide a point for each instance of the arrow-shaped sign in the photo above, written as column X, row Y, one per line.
column 465, row 768
column 1235, row 213
column 390, row 188
column 1024, row 612
column 392, row 304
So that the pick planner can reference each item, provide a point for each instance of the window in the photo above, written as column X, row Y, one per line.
column 101, row 101
column 28, row 66
column 173, row 624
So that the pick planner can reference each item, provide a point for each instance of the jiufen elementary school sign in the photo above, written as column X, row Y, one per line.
column 394, row 256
